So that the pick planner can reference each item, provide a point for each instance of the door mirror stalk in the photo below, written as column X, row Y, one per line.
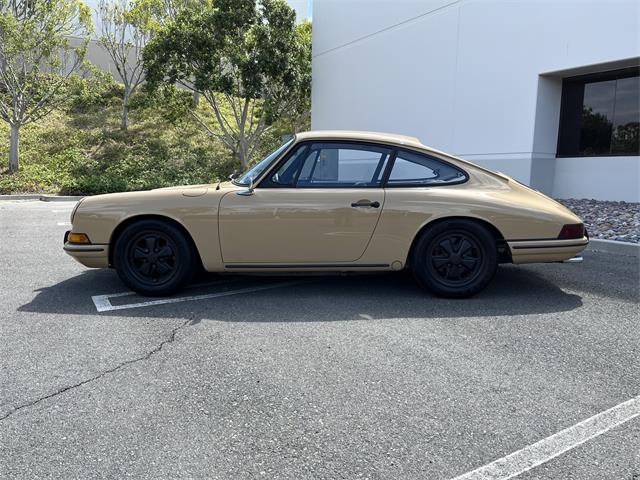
column 248, row 191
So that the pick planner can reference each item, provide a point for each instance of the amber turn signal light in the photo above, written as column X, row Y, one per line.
column 78, row 238
column 572, row 231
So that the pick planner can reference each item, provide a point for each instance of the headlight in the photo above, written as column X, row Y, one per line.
column 75, row 209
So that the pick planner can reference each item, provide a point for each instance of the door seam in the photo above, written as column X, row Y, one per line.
column 375, row 227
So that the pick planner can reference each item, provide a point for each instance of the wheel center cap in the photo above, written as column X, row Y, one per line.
column 455, row 259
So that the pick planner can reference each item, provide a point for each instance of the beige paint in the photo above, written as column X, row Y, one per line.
column 297, row 227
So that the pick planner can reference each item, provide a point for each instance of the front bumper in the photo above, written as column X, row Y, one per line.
column 91, row 255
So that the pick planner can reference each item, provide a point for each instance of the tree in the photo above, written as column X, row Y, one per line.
column 300, row 114
column 37, row 57
column 244, row 57
column 167, row 13
column 170, row 8
column 626, row 138
column 125, row 30
column 596, row 131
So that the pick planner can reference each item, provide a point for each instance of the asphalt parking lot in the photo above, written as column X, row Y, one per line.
column 294, row 377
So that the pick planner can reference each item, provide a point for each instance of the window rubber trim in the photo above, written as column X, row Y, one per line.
column 386, row 184
column 285, row 156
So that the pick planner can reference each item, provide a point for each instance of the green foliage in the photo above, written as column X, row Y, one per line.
column 37, row 57
column 173, row 104
column 244, row 56
column 80, row 149
column 126, row 27
column 98, row 90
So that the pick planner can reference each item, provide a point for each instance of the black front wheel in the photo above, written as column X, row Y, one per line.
column 455, row 258
column 153, row 258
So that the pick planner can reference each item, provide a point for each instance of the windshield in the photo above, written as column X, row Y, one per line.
column 255, row 171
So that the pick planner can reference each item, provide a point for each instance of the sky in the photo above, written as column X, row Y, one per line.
column 304, row 8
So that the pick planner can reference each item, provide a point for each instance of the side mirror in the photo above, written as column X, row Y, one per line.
column 249, row 190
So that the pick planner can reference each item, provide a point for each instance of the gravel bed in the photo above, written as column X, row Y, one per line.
column 608, row 220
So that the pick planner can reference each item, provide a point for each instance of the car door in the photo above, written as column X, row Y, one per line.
column 320, row 205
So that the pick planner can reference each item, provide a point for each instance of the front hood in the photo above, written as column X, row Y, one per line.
column 187, row 190
column 183, row 187
column 191, row 190
column 152, row 195
column 142, row 195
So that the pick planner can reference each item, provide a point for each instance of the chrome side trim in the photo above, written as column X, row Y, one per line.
column 78, row 250
column 548, row 243
column 526, row 247
column 307, row 265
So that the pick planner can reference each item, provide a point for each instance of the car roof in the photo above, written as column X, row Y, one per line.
column 381, row 137
column 388, row 138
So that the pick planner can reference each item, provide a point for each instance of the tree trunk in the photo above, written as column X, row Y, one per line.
column 125, row 111
column 195, row 101
column 243, row 154
column 14, row 148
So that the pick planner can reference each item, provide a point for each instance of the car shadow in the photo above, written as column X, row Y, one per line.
column 514, row 291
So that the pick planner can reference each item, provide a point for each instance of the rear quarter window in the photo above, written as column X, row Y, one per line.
column 415, row 169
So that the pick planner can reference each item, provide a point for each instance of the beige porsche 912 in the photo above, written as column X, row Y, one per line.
column 330, row 201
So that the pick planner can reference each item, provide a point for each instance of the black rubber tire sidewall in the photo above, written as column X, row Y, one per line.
column 488, row 268
column 184, row 255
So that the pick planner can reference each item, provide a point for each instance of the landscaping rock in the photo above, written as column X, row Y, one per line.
column 608, row 220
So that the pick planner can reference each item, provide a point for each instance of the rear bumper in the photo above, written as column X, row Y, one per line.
column 551, row 250
column 90, row 255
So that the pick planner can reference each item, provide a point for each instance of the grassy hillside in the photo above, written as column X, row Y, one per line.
column 79, row 149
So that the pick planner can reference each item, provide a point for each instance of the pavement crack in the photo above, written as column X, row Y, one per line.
column 157, row 349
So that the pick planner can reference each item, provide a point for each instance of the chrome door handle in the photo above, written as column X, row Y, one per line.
column 366, row 203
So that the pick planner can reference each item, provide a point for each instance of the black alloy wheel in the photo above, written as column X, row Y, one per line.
column 153, row 258
column 455, row 258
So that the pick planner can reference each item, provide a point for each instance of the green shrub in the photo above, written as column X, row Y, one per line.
column 79, row 148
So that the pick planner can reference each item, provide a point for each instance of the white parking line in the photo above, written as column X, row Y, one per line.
column 64, row 224
column 549, row 448
column 103, row 304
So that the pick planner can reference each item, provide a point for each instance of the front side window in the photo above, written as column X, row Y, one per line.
column 328, row 164
column 411, row 168
column 287, row 173
column 600, row 114
column 255, row 171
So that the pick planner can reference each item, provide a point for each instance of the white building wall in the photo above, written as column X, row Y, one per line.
column 478, row 78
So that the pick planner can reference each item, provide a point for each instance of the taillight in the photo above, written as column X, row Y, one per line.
column 572, row 231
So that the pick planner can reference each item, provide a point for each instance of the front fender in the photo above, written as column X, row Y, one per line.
column 103, row 217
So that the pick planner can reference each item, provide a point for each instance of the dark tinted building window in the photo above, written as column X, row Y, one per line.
column 600, row 114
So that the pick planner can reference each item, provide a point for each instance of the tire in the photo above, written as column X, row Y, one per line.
column 455, row 258
column 153, row 258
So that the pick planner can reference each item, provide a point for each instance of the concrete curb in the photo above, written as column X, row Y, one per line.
column 613, row 246
column 21, row 197
column 42, row 198
column 60, row 198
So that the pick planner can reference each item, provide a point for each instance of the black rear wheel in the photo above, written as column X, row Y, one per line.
column 455, row 258
column 153, row 258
